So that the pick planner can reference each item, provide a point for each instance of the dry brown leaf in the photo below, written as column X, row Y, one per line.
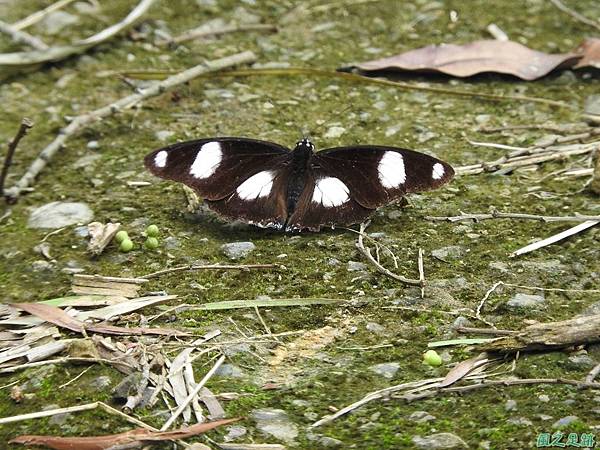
column 60, row 318
column 504, row 57
column 590, row 49
column 462, row 369
column 100, row 235
column 136, row 436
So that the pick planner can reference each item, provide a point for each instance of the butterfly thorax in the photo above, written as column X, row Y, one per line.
column 301, row 156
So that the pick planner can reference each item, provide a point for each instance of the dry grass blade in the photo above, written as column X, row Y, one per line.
column 555, row 238
column 60, row 318
column 136, row 436
column 462, row 369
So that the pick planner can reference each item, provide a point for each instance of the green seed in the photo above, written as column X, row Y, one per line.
column 126, row 245
column 152, row 231
column 432, row 358
column 121, row 236
column 151, row 243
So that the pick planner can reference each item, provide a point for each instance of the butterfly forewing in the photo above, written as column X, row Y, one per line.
column 378, row 175
column 216, row 167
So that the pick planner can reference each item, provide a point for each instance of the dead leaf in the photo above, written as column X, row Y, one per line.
column 100, row 235
column 135, row 436
column 495, row 56
column 590, row 49
column 60, row 318
column 462, row 369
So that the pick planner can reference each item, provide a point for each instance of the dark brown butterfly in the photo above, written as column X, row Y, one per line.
column 266, row 184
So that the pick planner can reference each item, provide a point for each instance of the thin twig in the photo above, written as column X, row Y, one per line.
column 83, row 120
column 39, row 15
column 22, row 37
column 495, row 214
column 593, row 374
column 76, row 378
column 492, row 331
column 191, row 267
column 564, row 8
column 202, row 31
column 26, row 124
column 421, row 273
column 192, row 394
column 482, row 302
column 555, row 238
column 366, row 251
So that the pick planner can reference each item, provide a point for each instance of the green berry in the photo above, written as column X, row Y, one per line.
column 126, row 245
column 152, row 231
column 432, row 358
column 151, row 243
column 121, row 236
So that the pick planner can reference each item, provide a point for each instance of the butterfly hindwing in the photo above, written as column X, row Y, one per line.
column 326, row 201
column 215, row 167
column 377, row 175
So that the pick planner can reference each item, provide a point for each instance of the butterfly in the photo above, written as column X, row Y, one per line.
column 270, row 186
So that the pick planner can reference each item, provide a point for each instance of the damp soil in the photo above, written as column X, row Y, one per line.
column 331, row 372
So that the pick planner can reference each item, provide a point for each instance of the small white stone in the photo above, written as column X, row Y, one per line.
column 334, row 132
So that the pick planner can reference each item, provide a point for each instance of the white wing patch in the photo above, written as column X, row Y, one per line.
column 160, row 160
column 207, row 160
column 438, row 171
column 391, row 170
column 256, row 186
column 330, row 192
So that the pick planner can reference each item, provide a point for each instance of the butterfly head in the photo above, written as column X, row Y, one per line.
column 305, row 144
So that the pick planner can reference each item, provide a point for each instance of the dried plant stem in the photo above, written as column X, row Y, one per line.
column 476, row 217
column 593, row 374
column 417, row 390
column 200, row 32
column 192, row 267
column 22, row 37
column 564, row 8
column 39, row 15
column 556, row 237
column 26, row 124
column 366, row 251
column 528, row 157
column 482, row 303
column 192, row 394
column 83, row 120
column 63, row 360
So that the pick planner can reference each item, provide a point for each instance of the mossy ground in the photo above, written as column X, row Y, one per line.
column 283, row 106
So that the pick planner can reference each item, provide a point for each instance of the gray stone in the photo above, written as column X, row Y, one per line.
column 237, row 250
column 100, row 382
column 229, row 370
column 334, row 132
column 499, row 266
column 565, row 421
column 333, row 262
column 41, row 266
column 59, row 214
column 93, row 145
column 163, row 135
column 543, row 398
column 421, row 417
column 57, row 419
column 329, row 442
column 439, row 441
column 450, row 252
column 354, row 266
column 521, row 300
column 387, row 370
column 376, row 328
column 234, row 432
column 510, row 405
column 171, row 243
column 592, row 105
column 54, row 22
column 520, row 421
column 87, row 161
column 460, row 322
column 552, row 266
column 275, row 422
column 582, row 361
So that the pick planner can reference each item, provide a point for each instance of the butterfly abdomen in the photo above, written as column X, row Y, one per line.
column 297, row 176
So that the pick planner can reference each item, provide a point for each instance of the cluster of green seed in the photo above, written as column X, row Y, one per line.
column 126, row 244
